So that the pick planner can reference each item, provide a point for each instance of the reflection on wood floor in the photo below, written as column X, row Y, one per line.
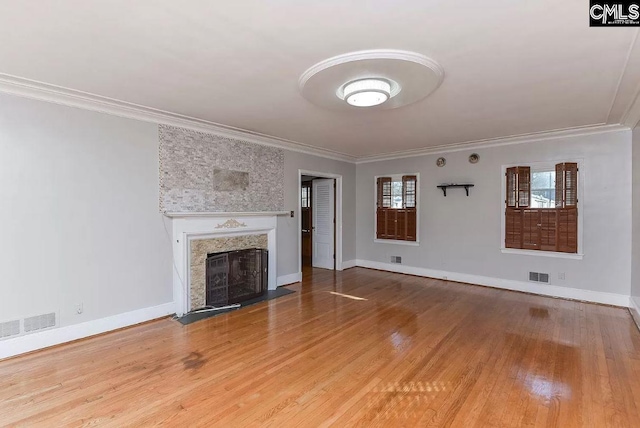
column 359, row 347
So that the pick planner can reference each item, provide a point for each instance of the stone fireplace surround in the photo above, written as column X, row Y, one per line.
column 189, row 227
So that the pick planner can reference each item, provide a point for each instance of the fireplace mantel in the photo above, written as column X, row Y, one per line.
column 224, row 214
column 203, row 225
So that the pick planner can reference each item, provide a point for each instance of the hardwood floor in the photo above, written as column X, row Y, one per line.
column 357, row 348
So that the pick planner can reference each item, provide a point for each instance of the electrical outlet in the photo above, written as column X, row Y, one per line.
column 292, row 213
column 79, row 308
column 561, row 275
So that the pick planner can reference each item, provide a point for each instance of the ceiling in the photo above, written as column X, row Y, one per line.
column 510, row 67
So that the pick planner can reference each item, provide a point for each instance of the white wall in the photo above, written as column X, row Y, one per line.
column 80, row 220
column 462, row 234
column 635, row 262
column 288, row 244
column 79, row 217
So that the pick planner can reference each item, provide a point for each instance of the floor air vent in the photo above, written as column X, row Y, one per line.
column 39, row 322
column 396, row 259
column 9, row 328
column 539, row 277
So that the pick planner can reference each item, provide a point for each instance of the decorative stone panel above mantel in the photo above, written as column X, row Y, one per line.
column 201, row 172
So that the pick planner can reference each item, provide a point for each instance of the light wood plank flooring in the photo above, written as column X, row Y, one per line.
column 357, row 348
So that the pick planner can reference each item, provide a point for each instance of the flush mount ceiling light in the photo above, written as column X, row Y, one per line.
column 378, row 79
column 367, row 92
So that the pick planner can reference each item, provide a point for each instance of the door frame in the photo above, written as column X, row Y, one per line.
column 338, row 227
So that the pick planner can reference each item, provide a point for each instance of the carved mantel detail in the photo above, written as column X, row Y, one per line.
column 231, row 224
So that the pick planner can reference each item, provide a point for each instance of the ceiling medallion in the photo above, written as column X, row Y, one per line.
column 378, row 79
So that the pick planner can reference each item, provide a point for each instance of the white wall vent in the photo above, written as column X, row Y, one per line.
column 39, row 322
column 396, row 259
column 9, row 328
column 539, row 277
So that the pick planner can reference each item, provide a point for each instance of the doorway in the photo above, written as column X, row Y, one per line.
column 320, row 220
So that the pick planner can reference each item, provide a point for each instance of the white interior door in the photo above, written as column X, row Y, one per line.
column 323, row 223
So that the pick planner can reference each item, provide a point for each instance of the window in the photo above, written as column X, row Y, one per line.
column 396, row 208
column 543, row 188
column 306, row 195
column 542, row 208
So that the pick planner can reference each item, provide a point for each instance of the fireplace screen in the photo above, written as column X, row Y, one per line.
column 236, row 276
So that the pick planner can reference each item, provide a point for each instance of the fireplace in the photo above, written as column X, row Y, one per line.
column 236, row 276
column 195, row 235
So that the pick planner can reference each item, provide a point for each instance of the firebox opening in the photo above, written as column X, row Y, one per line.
column 236, row 276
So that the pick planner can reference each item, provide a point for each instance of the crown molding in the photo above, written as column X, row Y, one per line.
column 496, row 142
column 69, row 97
column 631, row 117
column 83, row 100
column 627, row 84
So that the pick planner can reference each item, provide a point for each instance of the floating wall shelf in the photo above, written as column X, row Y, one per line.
column 445, row 186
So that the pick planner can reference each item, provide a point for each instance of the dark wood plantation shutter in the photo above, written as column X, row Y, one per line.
column 409, row 185
column 383, row 205
column 409, row 204
column 524, row 186
column 567, row 207
column 512, row 187
column 391, row 232
column 567, row 185
column 567, row 230
column 546, row 229
column 518, row 186
column 530, row 229
column 397, row 223
column 384, row 192
column 401, row 224
column 513, row 228
column 518, row 220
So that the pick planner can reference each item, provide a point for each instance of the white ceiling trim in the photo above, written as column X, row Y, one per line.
column 631, row 114
column 631, row 117
column 84, row 100
column 621, row 78
column 73, row 98
column 497, row 142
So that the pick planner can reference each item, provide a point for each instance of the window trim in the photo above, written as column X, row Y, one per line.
column 537, row 166
column 396, row 177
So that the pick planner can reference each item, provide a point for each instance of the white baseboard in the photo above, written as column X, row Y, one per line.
column 349, row 264
column 507, row 284
column 56, row 336
column 634, row 308
column 289, row 279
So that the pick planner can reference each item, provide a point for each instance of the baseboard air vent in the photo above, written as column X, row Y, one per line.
column 39, row 322
column 539, row 277
column 9, row 328
column 396, row 259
